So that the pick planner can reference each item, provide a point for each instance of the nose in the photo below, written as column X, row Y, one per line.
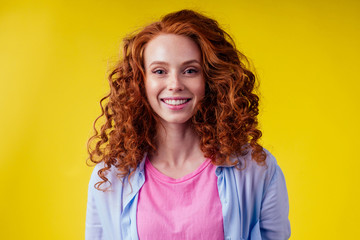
column 175, row 83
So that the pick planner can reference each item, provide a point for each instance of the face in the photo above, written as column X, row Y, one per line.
column 174, row 79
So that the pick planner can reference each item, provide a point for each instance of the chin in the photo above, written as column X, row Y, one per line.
column 176, row 120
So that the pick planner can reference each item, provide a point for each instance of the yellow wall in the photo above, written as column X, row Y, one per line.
column 53, row 61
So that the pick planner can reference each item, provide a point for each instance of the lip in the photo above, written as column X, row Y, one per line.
column 175, row 98
column 176, row 107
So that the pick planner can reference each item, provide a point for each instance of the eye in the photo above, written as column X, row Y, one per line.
column 159, row 71
column 190, row 71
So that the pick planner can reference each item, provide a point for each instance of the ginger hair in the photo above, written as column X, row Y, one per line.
column 225, row 119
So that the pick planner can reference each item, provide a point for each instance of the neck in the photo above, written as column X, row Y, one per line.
column 176, row 145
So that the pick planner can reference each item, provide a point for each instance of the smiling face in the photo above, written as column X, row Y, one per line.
column 174, row 81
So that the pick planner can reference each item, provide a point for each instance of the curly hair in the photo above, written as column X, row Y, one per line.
column 225, row 119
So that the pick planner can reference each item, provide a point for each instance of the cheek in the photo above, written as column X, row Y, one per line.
column 199, row 88
column 152, row 88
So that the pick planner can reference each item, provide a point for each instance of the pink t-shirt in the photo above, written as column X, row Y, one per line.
column 185, row 208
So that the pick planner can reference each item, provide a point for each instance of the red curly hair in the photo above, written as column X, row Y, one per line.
column 225, row 119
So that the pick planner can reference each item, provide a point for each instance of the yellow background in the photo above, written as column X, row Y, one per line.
column 54, row 56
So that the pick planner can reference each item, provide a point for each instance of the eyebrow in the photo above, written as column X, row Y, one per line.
column 165, row 63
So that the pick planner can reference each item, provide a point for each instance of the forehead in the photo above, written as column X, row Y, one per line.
column 171, row 48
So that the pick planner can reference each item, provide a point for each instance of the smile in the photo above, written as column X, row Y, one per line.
column 175, row 102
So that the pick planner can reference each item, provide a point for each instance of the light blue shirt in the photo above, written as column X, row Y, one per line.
column 254, row 202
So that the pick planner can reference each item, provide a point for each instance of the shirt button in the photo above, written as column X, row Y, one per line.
column 218, row 171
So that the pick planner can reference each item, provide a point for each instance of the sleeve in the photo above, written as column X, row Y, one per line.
column 274, row 221
column 93, row 227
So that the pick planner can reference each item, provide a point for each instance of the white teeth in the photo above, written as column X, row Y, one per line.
column 175, row 102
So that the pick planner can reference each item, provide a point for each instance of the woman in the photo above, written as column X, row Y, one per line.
column 178, row 156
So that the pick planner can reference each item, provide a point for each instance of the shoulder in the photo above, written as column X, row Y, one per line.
column 249, row 170
column 115, row 182
column 247, row 163
column 112, row 175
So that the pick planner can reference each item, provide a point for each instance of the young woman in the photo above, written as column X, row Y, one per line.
column 178, row 156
